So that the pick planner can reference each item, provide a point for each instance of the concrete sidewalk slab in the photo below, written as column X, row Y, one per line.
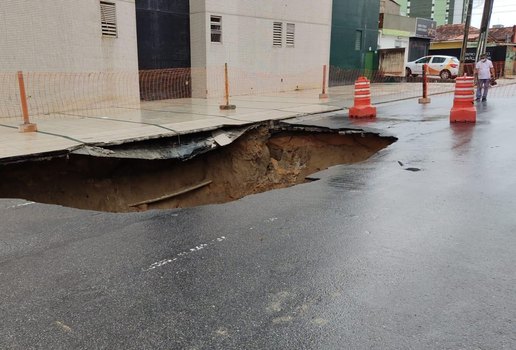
column 156, row 119
column 15, row 144
column 153, row 119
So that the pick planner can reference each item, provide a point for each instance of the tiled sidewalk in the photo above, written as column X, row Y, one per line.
column 61, row 132
column 67, row 131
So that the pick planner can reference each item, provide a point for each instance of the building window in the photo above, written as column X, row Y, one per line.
column 216, row 29
column 277, row 34
column 291, row 34
column 108, row 19
column 358, row 40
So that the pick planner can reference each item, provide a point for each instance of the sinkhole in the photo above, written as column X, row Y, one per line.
column 262, row 158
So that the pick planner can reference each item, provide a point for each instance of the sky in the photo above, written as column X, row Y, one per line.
column 504, row 12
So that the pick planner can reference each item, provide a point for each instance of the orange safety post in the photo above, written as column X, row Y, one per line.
column 27, row 126
column 226, row 106
column 323, row 94
column 463, row 109
column 425, row 99
column 362, row 107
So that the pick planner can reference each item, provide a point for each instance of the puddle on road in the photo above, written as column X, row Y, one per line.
column 259, row 161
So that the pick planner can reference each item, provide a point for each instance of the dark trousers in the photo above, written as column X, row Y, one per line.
column 483, row 87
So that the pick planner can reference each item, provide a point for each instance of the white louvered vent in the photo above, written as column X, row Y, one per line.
column 291, row 34
column 216, row 29
column 108, row 19
column 277, row 34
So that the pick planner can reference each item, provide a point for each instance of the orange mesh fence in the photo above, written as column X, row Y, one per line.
column 62, row 93
column 384, row 86
column 164, row 84
column 97, row 93
column 499, row 67
column 9, row 96
column 56, row 93
column 243, row 82
column 388, row 87
column 209, row 82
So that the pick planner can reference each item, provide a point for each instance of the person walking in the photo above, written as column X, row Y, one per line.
column 484, row 71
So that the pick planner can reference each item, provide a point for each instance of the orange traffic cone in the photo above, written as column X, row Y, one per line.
column 463, row 109
column 362, row 107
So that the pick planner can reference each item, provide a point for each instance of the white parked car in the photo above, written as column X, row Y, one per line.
column 445, row 67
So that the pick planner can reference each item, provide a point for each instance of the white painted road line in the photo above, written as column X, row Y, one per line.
column 20, row 205
column 183, row 254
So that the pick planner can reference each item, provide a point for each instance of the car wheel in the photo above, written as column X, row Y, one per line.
column 408, row 72
column 445, row 74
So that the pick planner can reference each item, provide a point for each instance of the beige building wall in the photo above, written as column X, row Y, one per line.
column 255, row 65
column 65, row 36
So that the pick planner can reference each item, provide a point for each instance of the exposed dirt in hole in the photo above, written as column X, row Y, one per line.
column 256, row 162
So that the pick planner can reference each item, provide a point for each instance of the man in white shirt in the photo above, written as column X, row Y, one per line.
column 484, row 71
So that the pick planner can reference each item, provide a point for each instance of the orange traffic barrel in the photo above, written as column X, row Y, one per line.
column 362, row 105
column 463, row 109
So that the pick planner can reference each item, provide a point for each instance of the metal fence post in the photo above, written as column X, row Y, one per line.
column 425, row 99
column 226, row 106
column 27, row 126
column 324, row 94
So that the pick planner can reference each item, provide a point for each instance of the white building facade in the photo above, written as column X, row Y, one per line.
column 394, row 35
column 74, row 54
column 67, row 35
column 269, row 45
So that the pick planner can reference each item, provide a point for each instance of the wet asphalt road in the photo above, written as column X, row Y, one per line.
column 371, row 256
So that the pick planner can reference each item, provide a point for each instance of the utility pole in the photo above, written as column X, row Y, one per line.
column 466, row 36
column 484, row 28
